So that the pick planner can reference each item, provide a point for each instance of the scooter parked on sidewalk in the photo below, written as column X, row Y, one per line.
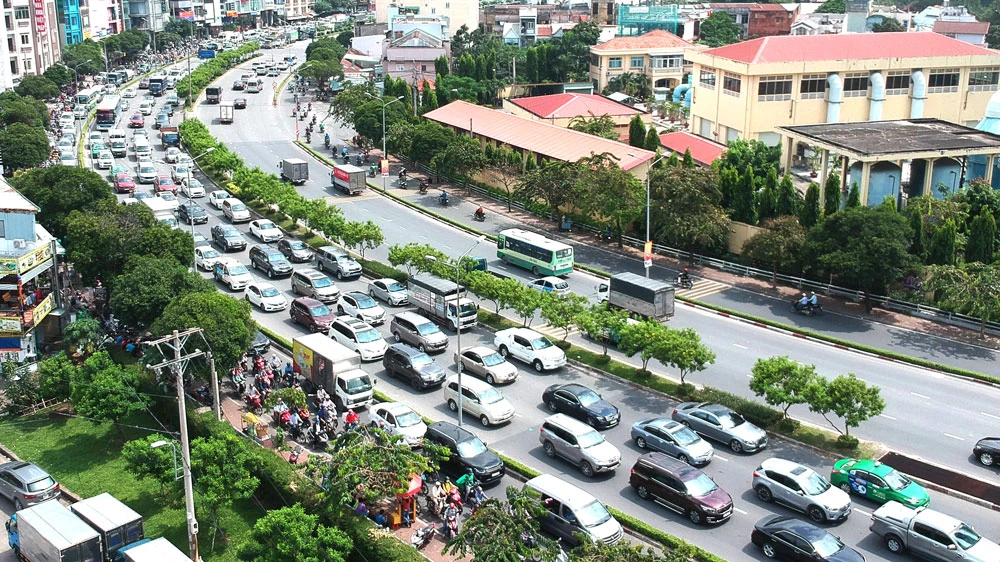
column 423, row 537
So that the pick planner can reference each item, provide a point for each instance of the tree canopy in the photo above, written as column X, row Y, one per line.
column 227, row 324
column 23, row 146
column 148, row 284
column 720, row 29
column 59, row 190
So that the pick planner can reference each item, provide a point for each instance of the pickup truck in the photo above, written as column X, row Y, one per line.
column 930, row 534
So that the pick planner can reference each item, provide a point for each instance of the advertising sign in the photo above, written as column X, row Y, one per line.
column 40, row 17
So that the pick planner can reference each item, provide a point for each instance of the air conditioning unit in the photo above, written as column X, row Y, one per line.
column 20, row 243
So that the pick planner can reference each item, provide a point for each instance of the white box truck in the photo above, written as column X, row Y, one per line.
column 443, row 301
column 162, row 209
column 159, row 550
column 328, row 364
column 118, row 524
column 226, row 112
column 349, row 179
column 49, row 532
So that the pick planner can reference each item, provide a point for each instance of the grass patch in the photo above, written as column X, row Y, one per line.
column 85, row 457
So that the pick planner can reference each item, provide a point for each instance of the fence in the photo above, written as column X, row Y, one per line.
column 802, row 283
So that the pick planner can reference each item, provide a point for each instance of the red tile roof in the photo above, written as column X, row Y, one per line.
column 768, row 8
column 863, row 46
column 565, row 106
column 703, row 151
column 969, row 27
column 547, row 140
column 656, row 39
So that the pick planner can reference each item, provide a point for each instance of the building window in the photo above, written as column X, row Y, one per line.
column 25, row 39
column 856, row 85
column 400, row 68
column 615, row 62
column 774, row 88
column 21, row 12
column 812, row 86
column 27, row 65
column 423, row 68
column 731, row 84
column 3, row 230
column 671, row 61
column 13, row 66
column 595, row 61
column 10, row 43
column 707, row 78
column 897, row 83
column 984, row 79
column 943, row 80
column 637, row 63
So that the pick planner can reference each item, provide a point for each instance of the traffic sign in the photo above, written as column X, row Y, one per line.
column 647, row 254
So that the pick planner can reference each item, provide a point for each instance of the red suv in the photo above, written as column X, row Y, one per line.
column 311, row 313
column 681, row 488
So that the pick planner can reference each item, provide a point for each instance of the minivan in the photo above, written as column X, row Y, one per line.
column 681, row 488
column 314, row 284
column 410, row 363
column 578, row 443
column 418, row 331
column 335, row 260
column 468, row 452
column 142, row 147
column 570, row 510
column 235, row 210
column 232, row 273
column 479, row 399
column 311, row 313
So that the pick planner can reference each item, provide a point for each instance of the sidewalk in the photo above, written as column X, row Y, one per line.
column 892, row 331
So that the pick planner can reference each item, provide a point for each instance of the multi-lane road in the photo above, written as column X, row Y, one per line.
column 262, row 135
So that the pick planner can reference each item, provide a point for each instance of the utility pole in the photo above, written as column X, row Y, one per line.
column 177, row 365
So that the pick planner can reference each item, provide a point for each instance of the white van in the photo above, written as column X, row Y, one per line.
column 479, row 399
column 232, row 273
column 142, row 147
column 570, row 510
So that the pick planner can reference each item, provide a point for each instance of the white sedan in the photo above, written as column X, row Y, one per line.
column 172, row 155
column 129, row 93
column 397, row 418
column 193, row 189
column 180, row 173
column 265, row 296
column 266, row 230
column 217, row 197
column 388, row 290
column 105, row 160
column 205, row 257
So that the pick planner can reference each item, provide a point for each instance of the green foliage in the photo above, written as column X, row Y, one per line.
column 720, row 29
column 977, row 195
column 831, row 194
column 942, row 249
column 182, row 27
column 103, row 390
column 17, row 109
column 652, row 141
column 206, row 73
column 846, row 397
column 361, row 236
column 290, row 533
column 442, row 66
column 367, row 120
column 493, row 532
column 157, row 464
column 600, row 126
column 344, row 38
column 809, row 213
column 549, row 182
column 223, row 467
column 373, row 543
column 600, row 322
column 503, row 293
column 685, row 209
column 688, row 161
column 833, row 7
column 38, row 87
column 462, row 157
column 982, row 238
column 526, row 301
column 637, row 132
column 417, row 257
column 853, row 197
column 789, row 200
column 560, row 311
column 227, row 324
column 55, row 375
column 778, row 246
column 23, row 146
column 767, row 197
column 148, row 284
column 973, row 290
column 634, row 84
column 917, row 237
column 781, row 381
column 743, row 198
column 605, row 190
column 684, row 351
column 291, row 396
column 648, row 339
column 84, row 335
column 59, row 74
column 353, row 96
column 57, row 191
column 888, row 25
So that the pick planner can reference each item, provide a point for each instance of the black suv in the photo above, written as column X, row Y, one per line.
column 295, row 250
column 467, row 451
column 410, row 363
column 191, row 213
column 228, row 237
column 270, row 261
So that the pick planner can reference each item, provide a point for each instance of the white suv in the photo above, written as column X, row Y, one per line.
column 359, row 336
column 800, row 488
column 362, row 307
column 531, row 347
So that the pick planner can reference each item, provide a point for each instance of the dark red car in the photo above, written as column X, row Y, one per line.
column 137, row 121
column 165, row 183
column 239, row 85
column 680, row 487
column 124, row 183
column 240, row 103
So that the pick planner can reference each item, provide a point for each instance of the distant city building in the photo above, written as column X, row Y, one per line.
column 770, row 19
column 971, row 32
column 561, row 109
column 70, row 21
column 819, row 24
column 412, row 46
column 658, row 55
column 31, row 28
column 458, row 12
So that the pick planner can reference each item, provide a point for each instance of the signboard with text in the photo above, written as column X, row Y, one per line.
column 40, row 17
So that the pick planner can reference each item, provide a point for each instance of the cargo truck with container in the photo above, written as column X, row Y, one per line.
column 170, row 137
column 159, row 550
column 349, row 179
column 645, row 297
column 442, row 300
column 50, row 532
column 117, row 524
column 226, row 112
column 157, row 84
column 213, row 94
column 294, row 170
column 325, row 363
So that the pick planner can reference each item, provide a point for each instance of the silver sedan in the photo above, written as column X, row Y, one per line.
column 718, row 422
column 488, row 364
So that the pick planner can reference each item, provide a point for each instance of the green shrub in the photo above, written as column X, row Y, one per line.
column 602, row 360
column 847, row 442
column 378, row 269
column 373, row 544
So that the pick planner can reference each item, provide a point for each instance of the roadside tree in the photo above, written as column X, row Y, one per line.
column 973, row 289
column 463, row 157
column 501, row 292
column 831, row 194
column 38, row 87
column 602, row 322
column 361, row 236
column 551, row 182
column 505, row 167
column 17, row 109
column 560, row 311
column 84, row 336
column 644, row 338
column 416, row 257
column 223, row 468
column 526, row 302
column 55, row 375
column 610, row 192
column 59, row 74
column 981, row 241
column 227, row 324
column 23, row 146
column 290, row 533
column 846, row 397
column 103, row 390
column 781, row 381
column 495, row 532
column 148, row 284
column 59, row 190
column 683, row 350
column 778, row 245
column 686, row 209
column 942, row 248
column 158, row 464
column 809, row 214
column 788, row 200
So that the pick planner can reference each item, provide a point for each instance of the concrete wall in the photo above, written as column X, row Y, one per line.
column 739, row 233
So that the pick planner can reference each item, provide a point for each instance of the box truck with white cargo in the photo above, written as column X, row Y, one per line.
column 118, row 524
column 294, row 170
column 328, row 364
column 50, row 532
column 443, row 301
column 159, row 550
column 226, row 112
column 646, row 297
column 349, row 179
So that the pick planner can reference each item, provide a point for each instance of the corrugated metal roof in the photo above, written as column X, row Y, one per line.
column 970, row 27
column 541, row 138
column 703, row 151
column 12, row 201
column 562, row 106
column 656, row 39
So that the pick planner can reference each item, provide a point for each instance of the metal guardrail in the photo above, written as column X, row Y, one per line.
column 828, row 289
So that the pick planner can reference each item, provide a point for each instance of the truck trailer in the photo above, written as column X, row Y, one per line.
column 170, row 137
column 226, row 112
column 118, row 524
column 213, row 94
column 645, row 297
column 294, row 170
column 49, row 532
column 443, row 301
column 326, row 363
column 349, row 179
column 159, row 550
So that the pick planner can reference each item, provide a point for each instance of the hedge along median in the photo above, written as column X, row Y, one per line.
column 210, row 70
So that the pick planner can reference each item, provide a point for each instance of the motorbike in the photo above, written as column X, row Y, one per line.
column 320, row 438
column 443, row 198
column 294, row 431
column 294, row 456
column 477, row 216
column 347, row 159
column 454, row 497
column 204, row 394
column 254, row 403
column 606, row 235
column 326, row 141
column 451, row 522
column 475, row 497
column 309, row 137
column 372, row 170
column 423, row 188
column 322, row 127
column 237, row 377
column 357, row 159
column 683, row 283
column 807, row 309
column 423, row 537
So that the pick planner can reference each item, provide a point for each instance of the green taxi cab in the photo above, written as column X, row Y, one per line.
column 877, row 482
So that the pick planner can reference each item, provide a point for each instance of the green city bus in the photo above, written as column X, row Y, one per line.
column 534, row 252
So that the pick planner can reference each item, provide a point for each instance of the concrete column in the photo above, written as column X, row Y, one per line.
column 929, row 177
column 866, row 177
column 786, row 147
column 824, row 171
column 990, row 163
column 844, row 168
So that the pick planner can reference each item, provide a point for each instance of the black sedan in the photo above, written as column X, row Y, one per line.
column 239, row 85
column 240, row 103
column 578, row 401
column 781, row 536
column 987, row 451
column 295, row 250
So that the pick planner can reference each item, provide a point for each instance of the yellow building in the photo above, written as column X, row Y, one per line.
column 748, row 89
column 658, row 54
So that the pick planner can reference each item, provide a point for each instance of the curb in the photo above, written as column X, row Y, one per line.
column 62, row 487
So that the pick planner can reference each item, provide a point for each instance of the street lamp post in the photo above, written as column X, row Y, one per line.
column 458, row 321
column 194, row 264
column 649, row 168
column 76, row 73
column 161, row 443
column 384, row 155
